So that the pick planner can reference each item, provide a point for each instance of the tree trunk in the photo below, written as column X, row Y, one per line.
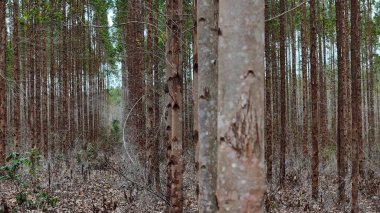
column 31, row 90
column 16, row 77
column 156, row 103
column 371, row 86
column 3, row 111
column 136, row 76
column 293, row 95
column 207, row 90
column 149, row 93
column 305, row 131
column 241, row 179
column 268, row 98
column 282, row 94
column 175, row 90
column 314, row 97
column 44, row 99
column 52, row 85
column 357, row 141
column 343, row 117
column 168, row 116
column 195, row 94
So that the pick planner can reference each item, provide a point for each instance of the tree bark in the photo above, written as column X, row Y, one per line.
column 195, row 95
column 16, row 77
column 314, row 97
column 268, row 98
column 168, row 116
column 3, row 111
column 149, row 93
column 305, row 131
column 282, row 94
column 241, row 180
column 175, row 91
column 357, row 141
column 207, row 11
column 343, row 116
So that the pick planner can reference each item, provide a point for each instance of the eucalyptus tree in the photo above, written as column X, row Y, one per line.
column 357, row 140
column 241, row 106
column 314, row 97
column 207, row 39
column 3, row 112
column 343, row 116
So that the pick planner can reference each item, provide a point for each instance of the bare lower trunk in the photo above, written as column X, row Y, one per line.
column 207, row 89
column 241, row 180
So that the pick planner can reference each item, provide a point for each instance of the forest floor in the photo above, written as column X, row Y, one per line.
column 97, row 189
column 295, row 196
column 114, row 185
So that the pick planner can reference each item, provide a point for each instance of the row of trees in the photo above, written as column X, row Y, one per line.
column 53, row 74
column 321, row 88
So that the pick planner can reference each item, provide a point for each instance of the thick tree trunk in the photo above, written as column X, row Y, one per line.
column 241, row 178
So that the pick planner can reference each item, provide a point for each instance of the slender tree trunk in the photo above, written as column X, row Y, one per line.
column 31, row 98
column 157, row 95
column 304, row 80
column 16, row 77
column 322, row 82
column 64, row 83
column 169, row 67
column 314, row 97
column 195, row 93
column 52, row 84
column 268, row 98
column 207, row 11
column 343, row 117
column 149, row 93
column 175, row 90
column 293, row 95
column 357, row 141
column 3, row 111
column 371, row 86
column 282, row 94
column 38, row 79
column 44, row 99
